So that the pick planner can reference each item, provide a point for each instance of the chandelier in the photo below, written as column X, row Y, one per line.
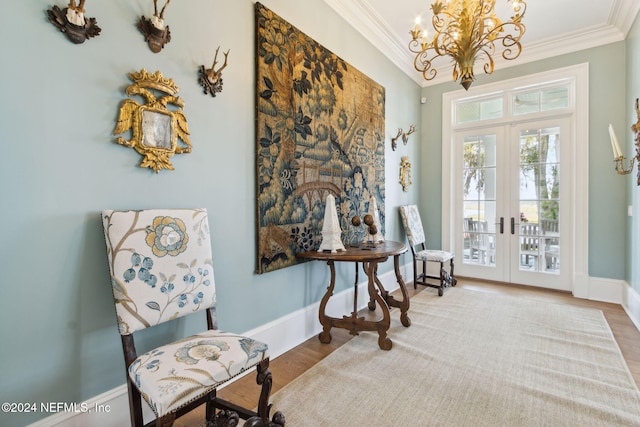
column 467, row 30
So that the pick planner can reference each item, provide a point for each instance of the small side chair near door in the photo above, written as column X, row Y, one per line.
column 161, row 269
column 415, row 234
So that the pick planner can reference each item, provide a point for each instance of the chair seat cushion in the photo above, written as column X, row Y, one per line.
column 173, row 375
column 434, row 255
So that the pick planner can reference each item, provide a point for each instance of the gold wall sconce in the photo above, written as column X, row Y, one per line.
column 155, row 32
column 404, row 135
column 72, row 22
column 618, row 157
column 405, row 173
column 211, row 79
column 155, row 130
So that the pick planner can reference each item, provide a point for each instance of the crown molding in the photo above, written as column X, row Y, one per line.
column 361, row 16
column 623, row 14
column 364, row 19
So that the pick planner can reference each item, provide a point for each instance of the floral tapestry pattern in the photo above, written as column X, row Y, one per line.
column 319, row 131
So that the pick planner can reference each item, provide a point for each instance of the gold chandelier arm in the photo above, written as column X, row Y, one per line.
column 508, row 40
column 520, row 8
column 422, row 62
column 488, row 65
column 509, row 53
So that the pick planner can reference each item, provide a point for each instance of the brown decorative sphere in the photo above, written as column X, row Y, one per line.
column 356, row 221
column 368, row 219
column 373, row 229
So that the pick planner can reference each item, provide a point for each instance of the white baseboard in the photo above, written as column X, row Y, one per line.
column 631, row 304
column 111, row 409
column 617, row 292
column 605, row 290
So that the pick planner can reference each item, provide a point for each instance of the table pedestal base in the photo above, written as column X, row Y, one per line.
column 378, row 295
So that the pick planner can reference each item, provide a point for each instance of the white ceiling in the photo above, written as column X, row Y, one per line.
column 553, row 27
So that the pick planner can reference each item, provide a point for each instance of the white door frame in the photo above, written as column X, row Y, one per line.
column 579, row 152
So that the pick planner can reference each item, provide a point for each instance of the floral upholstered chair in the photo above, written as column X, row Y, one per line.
column 415, row 234
column 161, row 269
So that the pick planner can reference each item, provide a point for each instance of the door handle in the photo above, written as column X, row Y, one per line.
column 501, row 225
column 513, row 225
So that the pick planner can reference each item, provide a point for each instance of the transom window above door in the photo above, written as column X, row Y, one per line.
column 512, row 104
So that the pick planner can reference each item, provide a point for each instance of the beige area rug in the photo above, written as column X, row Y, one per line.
column 472, row 359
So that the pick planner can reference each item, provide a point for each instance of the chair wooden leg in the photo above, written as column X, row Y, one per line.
column 454, row 281
column 415, row 273
column 219, row 417
column 135, row 405
column 262, row 420
column 210, row 408
column 166, row 420
column 423, row 277
column 224, row 418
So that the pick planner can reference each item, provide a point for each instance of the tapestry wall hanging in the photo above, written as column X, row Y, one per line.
column 319, row 130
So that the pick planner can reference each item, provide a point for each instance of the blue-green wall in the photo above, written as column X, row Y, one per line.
column 607, row 197
column 633, row 190
column 60, row 167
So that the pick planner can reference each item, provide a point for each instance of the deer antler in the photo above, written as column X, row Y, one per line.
column 405, row 136
column 214, row 74
column 79, row 8
column 394, row 140
column 163, row 8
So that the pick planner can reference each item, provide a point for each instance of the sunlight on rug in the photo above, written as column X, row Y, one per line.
column 472, row 358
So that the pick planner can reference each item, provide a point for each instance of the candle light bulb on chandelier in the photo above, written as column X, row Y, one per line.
column 424, row 39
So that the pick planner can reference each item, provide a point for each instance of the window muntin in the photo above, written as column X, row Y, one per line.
column 536, row 99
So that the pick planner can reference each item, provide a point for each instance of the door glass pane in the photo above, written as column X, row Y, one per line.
column 479, row 204
column 539, row 229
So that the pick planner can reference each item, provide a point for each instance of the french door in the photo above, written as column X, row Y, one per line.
column 512, row 204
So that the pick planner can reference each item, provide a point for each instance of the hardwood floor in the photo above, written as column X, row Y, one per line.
column 293, row 363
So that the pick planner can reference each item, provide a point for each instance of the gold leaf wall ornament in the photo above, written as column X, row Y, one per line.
column 155, row 130
column 405, row 173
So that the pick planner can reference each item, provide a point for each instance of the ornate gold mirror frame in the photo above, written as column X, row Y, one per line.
column 154, row 128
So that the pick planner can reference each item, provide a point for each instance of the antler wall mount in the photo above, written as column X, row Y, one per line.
column 72, row 22
column 211, row 79
column 404, row 135
column 154, row 129
column 155, row 32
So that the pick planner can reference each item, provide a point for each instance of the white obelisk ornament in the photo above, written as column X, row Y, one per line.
column 331, row 228
column 376, row 237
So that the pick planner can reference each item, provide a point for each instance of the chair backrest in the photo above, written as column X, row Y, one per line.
column 412, row 224
column 160, row 264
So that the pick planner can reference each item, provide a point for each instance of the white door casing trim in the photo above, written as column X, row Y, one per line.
column 579, row 197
